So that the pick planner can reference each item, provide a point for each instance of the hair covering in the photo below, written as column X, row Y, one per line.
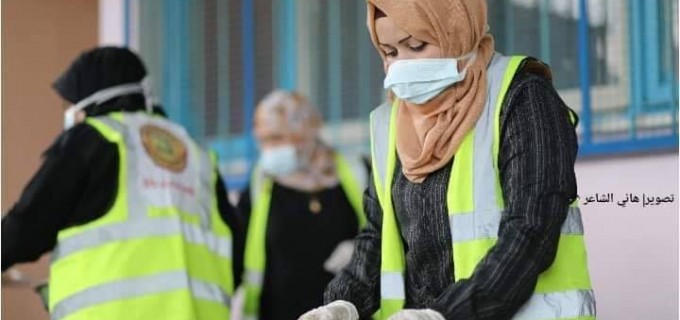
column 291, row 115
column 98, row 69
column 428, row 135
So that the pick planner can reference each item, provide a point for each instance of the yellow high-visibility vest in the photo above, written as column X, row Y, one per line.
column 162, row 251
column 255, row 252
column 475, row 204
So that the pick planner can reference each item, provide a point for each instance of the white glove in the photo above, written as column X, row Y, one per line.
column 420, row 314
column 336, row 310
column 238, row 303
column 340, row 257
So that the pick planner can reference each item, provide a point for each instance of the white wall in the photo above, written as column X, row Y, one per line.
column 633, row 251
column 111, row 22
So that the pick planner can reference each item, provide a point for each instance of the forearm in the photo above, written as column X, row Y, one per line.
column 536, row 164
column 359, row 282
column 30, row 228
column 505, row 279
column 234, row 221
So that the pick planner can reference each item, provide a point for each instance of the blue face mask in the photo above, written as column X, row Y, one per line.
column 420, row 80
column 279, row 161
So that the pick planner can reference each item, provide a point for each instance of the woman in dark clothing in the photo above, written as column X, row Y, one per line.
column 91, row 206
column 303, row 202
column 471, row 211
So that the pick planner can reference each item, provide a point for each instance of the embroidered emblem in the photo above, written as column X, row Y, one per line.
column 164, row 148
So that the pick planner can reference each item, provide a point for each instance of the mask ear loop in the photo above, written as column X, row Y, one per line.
column 149, row 100
column 470, row 57
column 99, row 97
column 109, row 93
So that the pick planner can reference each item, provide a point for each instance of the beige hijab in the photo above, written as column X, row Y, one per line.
column 292, row 116
column 428, row 135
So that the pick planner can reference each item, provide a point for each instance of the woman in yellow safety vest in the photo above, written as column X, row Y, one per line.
column 472, row 212
column 304, row 206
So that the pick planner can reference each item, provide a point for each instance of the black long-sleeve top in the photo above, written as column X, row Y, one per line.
column 538, row 149
column 298, row 242
column 76, row 184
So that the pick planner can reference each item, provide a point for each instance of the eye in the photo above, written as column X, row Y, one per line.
column 419, row 48
column 392, row 53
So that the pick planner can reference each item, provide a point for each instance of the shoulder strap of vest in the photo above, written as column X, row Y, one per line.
column 380, row 120
column 352, row 177
column 260, row 199
column 513, row 65
column 257, row 180
column 109, row 126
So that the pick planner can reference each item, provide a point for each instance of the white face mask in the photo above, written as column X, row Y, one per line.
column 420, row 80
column 279, row 161
column 108, row 94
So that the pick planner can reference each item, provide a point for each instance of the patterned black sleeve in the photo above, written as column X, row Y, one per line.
column 359, row 282
column 536, row 162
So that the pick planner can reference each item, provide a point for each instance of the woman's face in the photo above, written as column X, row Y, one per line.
column 397, row 44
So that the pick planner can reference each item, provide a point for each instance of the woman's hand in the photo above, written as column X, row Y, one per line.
column 336, row 310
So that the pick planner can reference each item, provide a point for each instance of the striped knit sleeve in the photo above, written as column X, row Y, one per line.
column 359, row 282
column 536, row 162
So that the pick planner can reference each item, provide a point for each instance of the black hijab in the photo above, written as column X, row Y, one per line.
column 98, row 69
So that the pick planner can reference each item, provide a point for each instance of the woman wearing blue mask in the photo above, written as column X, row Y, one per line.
column 471, row 210
column 304, row 207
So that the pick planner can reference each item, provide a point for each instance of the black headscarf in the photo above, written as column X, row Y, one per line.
column 102, row 68
column 98, row 69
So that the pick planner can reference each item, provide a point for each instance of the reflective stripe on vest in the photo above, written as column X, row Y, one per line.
column 470, row 227
column 260, row 194
column 162, row 241
column 475, row 204
column 137, row 287
column 141, row 229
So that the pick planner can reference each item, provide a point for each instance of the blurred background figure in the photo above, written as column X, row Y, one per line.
column 134, row 212
column 303, row 204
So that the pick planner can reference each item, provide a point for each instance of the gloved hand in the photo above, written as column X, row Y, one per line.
column 419, row 314
column 238, row 303
column 340, row 257
column 336, row 310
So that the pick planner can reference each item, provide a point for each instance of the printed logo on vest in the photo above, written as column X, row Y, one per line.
column 164, row 148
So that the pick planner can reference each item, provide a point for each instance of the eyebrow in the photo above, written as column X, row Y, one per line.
column 400, row 41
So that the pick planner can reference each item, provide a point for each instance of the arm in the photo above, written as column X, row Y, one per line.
column 234, row 220
column 536, row 164
column 50, row 200
column 359, row 282
column 243, row 206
